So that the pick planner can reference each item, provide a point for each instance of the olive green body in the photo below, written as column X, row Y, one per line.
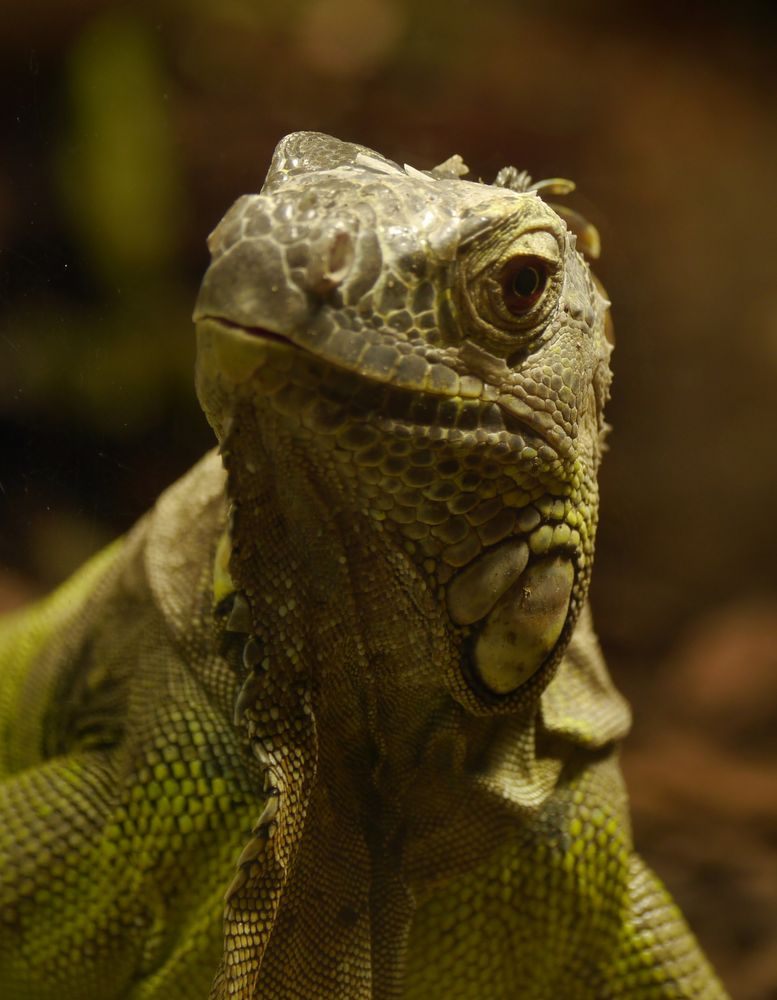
column 332, row 721
column 123, row 796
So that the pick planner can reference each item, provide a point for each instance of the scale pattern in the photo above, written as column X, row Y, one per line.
column 332, row 721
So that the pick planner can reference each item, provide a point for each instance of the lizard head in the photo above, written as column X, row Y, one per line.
column 436, row 348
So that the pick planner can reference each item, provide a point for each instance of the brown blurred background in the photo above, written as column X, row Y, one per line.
column 127, row 129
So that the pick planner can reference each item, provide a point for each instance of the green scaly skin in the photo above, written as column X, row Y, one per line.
column 332, row 721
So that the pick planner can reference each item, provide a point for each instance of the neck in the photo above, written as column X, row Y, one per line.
column 323, row 573
column 348, row 621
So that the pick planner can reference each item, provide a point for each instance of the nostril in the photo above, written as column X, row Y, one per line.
column 337, row 259
column 340, row 255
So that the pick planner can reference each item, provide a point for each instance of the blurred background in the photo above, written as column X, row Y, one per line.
column 127, row 130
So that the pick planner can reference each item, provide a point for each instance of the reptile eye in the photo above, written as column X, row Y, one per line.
column 523, row 281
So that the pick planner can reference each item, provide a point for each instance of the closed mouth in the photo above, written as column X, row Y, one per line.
column 261, row 332
column 419, row 409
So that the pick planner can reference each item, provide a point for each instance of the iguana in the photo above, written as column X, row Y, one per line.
column 331, row 721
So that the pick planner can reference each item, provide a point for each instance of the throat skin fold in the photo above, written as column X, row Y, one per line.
column 366, row 654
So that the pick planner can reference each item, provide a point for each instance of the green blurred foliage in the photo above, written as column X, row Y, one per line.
column 115, row 351
column 121, row 184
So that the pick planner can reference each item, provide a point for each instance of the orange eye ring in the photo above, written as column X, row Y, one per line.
column 522, row 282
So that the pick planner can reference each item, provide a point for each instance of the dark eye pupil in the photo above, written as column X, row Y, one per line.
column 523, row 282
column 526, row 282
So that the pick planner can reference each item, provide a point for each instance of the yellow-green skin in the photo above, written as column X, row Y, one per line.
column 308, row 731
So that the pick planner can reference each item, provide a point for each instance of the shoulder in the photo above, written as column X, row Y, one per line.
column 181, row 535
